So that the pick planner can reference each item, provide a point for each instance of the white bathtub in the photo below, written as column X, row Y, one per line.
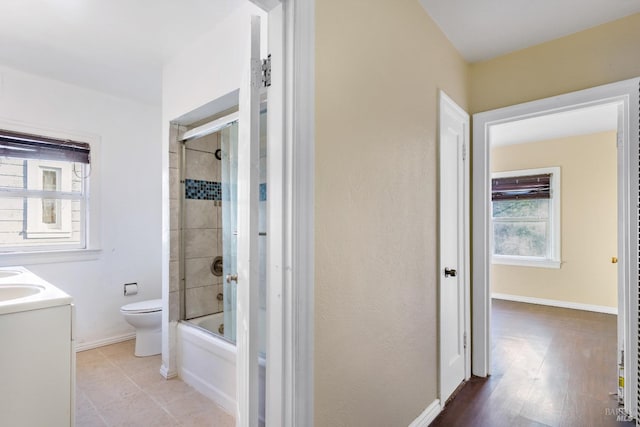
column 207, row 362
column 211, row 323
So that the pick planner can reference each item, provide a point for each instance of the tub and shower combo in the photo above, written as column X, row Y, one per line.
column 207, row 215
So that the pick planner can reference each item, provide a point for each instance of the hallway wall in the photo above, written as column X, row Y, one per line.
column 379, row 66
column 600, row 55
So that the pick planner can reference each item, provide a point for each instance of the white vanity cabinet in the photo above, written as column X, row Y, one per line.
column 37, row 358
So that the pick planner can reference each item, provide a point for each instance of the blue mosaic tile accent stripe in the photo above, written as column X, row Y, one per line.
column 202, row 190
column 207, row 190
column 263, row 192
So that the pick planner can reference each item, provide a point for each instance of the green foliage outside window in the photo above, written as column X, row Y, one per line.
column 520, row 227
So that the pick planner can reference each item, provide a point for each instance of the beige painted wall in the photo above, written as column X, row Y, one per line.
column 379, row 65
column 603, row 54
column 588, row 226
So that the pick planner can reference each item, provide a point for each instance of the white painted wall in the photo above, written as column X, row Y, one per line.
column 130, row 198
column 210, row 67
column 204, row 71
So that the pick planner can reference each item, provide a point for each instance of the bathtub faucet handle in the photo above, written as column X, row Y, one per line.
column 232, row 278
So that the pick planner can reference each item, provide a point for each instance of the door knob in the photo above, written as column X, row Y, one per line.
column 450, row 272
column 232, row 278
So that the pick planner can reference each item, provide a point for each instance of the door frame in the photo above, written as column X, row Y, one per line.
column 290, row 213
column 247, row 272
column 626, row 94
column 446, row 103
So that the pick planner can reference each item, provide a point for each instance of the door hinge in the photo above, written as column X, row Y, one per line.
column 464, row 340
column 464, row 151
column 266, row 71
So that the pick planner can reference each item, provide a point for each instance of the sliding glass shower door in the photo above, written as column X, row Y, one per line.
column 229, row 183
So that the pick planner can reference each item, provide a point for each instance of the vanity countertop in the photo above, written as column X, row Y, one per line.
column 22, row 290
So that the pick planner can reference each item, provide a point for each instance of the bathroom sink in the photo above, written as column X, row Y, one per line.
column 8, row 273
column 14, row 291
column 21, row 290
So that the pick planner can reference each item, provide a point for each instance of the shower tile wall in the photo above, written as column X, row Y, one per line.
column 203, row 230
column 175, row 293
column 202, row 227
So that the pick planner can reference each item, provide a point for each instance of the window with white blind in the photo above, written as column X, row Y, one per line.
column 43, row 193
column 525, row 207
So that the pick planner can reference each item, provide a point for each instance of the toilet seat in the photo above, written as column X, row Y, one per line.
column 149, row 306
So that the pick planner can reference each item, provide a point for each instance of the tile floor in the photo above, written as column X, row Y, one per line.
column 115, row 388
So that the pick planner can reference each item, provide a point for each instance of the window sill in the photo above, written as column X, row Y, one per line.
column 48, row 257
column 526, row 262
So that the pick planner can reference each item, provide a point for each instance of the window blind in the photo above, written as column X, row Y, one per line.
column 27, row 146
column 521, row 187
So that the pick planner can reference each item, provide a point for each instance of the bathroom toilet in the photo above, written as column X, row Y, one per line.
column 146, row 317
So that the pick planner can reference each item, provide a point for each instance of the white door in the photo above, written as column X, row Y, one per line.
column 453, row 260
column 248, row 197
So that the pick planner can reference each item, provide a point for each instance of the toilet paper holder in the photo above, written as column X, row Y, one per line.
column 130, row 289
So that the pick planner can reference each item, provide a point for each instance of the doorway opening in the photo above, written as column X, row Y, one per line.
column 622, row 99
column 554, row 280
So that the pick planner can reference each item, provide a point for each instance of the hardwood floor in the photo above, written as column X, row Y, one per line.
column 550, row 367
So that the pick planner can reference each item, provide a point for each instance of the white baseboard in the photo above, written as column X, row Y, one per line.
column 428, row 415
column 556, row 303
column 167, row 373
column 106, row 341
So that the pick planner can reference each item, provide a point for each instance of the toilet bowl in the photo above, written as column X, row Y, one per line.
column 146, row 317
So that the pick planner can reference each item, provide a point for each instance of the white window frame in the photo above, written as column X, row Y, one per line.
column 553, row 258
column 57, row 172
column 35, row 227
column 91, row 223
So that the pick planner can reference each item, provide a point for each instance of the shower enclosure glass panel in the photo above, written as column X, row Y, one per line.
column 210, row 231
column 229, row 181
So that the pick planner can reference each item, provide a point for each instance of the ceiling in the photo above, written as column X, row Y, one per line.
column 119, row 46
column 484, row 29
column 114, row 46
column 582, row 121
